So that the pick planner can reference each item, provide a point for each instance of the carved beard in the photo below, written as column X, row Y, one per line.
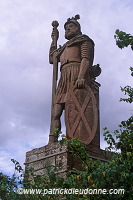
column 70, row 34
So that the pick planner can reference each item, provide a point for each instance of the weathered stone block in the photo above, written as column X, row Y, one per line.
column 59, row 155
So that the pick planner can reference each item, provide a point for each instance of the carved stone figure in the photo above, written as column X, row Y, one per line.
column 76, row 90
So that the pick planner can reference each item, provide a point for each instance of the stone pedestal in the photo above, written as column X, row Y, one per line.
column 40, row 158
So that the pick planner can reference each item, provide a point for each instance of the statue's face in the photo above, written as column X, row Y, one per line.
column 71, row 30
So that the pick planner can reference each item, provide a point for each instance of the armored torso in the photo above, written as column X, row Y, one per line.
column 70, row 56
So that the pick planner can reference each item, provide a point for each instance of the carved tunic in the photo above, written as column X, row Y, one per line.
column 70, row 56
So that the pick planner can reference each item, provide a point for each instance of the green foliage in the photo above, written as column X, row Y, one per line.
column 123, row 39
column 7, row 184
column 128, row 90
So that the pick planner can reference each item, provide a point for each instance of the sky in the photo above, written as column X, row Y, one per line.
column 26, row 75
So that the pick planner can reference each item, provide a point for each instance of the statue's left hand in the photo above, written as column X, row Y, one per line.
column 80, row 83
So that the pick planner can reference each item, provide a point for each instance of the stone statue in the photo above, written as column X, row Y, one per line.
column 76, row 92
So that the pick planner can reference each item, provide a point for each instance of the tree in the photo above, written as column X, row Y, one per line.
column 123, row 39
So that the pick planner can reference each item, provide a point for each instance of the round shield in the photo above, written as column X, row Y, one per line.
column 81, row 114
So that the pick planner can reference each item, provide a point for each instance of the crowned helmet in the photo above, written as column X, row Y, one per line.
column 73, row 20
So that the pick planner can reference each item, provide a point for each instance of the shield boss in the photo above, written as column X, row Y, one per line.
column 81, row 114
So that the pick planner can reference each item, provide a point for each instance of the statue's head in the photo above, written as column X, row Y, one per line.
column 72, row 27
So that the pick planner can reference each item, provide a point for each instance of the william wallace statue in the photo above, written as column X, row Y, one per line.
column 76, row 92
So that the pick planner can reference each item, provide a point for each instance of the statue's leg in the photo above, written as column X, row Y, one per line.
column 56, row 124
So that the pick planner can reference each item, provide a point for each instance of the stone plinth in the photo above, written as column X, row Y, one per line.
column 40, row 158
column 48, row 155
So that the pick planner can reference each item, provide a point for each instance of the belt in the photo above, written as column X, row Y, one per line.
column 70, row 61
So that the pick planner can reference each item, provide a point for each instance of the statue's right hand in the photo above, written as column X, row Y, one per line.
column 55, row 34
